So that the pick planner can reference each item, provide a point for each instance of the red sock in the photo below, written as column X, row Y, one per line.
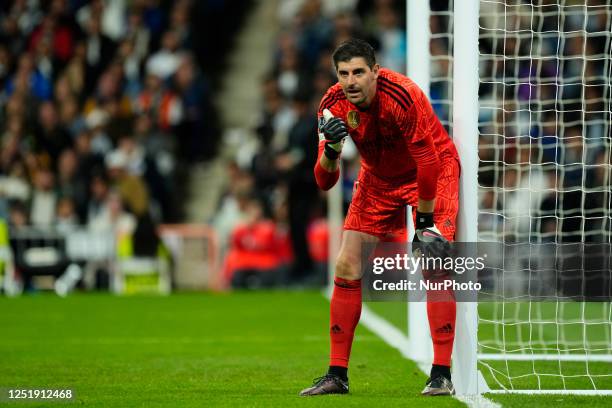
column 345, row 311
column 441, row 313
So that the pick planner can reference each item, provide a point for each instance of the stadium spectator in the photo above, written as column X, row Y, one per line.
column 112, row 16
column 144, row 167
column 138, row 32
column 98, row 53
column 66, row 218
column 145, row 238
column 392, row 39
column 28, row 82
column 179, row 23
column 69, row 114
column 196, row 132
column 165, row 62
column 14, row 184
column 96, row 122
column 12, row 139
column 76, row 70
column 55, row 34
column 128, row 57
column 18, row 215
column 51, row 138
column 5, row 64
column 159, row 102
column 132, row 189
column 44, row 199
column 114, row 217
column 155, row 143
column 295, row 162
column 99, row 191
column 43, row 59
column 69, row 183
column 232, row 206
column 253, row 260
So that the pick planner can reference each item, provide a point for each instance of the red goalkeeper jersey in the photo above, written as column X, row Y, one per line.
column 398, row 136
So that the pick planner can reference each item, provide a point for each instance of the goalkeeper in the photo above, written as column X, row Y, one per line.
column 407, row 158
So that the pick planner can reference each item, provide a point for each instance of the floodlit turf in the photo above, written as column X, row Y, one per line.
column 245, row 349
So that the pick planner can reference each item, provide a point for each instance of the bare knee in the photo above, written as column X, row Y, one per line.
column 348, row 269
column 348, row 263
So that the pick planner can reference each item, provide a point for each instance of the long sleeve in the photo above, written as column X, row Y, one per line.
column 325, row 179
column 428, row 166
column 423, row 151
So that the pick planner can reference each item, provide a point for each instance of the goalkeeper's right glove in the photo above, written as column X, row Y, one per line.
column 335, row 131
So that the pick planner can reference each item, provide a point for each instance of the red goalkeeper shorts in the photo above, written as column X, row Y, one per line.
column 379, row 208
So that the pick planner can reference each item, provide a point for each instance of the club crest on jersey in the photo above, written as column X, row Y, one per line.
column 353, row 119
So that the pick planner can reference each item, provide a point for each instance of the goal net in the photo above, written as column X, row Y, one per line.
column 544, row 178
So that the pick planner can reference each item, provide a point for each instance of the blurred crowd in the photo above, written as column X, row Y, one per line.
column 100, row 104
column 545, row 135
column 273, row 201
column 104, row 104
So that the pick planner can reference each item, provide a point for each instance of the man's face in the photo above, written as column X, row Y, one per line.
column 358, row 81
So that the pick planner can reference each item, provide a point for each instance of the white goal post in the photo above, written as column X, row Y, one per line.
column 465, row 131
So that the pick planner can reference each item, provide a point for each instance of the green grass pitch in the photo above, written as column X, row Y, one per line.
column 245, row 349
column 241, row 349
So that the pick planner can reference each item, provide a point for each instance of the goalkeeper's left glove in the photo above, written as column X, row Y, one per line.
column 432, row 242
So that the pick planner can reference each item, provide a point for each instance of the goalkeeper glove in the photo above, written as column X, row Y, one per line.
column 335, row 131
column 432, row 243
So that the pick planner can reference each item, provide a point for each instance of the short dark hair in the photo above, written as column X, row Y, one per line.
column 354, row 48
